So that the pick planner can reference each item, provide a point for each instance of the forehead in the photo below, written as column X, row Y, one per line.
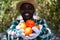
column 27, row 5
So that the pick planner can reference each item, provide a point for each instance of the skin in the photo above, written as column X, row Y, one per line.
column 27, row 10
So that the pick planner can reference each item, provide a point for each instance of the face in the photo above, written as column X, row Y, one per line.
column 27, row 10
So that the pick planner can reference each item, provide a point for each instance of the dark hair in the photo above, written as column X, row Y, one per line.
column 33, row 8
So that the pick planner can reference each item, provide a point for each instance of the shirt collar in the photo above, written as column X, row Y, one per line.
column 35, row 17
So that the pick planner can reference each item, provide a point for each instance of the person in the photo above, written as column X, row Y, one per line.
column 27, row 11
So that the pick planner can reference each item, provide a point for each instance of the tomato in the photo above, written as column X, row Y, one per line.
column 30, row 23
column 37, row 27
column 22, row 25
column 28, row 31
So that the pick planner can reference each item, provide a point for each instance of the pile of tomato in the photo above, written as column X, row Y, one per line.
column 27, row 26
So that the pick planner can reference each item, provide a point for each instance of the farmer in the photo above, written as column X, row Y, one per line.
column 27, row 10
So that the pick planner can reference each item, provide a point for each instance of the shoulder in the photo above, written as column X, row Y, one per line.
column 40, row 21
column 15, row 22
column 19, row 17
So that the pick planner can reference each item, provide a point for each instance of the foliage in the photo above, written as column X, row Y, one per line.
column 49, row 11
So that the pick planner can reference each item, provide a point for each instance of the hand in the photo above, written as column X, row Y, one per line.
column 33, row 35
column 19, row 32
column 23, row 36
column 16, row 33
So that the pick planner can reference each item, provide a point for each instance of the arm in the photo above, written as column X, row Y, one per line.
column 13, row 25
column 45, row 34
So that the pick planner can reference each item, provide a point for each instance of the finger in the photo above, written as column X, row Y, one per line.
column 32, row 34
column 35, row 29
column 24, row 37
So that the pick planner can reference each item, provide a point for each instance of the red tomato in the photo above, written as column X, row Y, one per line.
column 30, row 23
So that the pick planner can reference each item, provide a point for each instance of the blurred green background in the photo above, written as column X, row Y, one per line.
column 49, row 10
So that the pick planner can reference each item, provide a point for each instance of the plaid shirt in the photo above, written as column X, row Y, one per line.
column 45, row 33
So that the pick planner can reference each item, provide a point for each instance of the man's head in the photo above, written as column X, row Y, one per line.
column 27, row 10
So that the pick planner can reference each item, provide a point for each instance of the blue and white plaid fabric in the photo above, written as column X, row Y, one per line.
column 45, row 33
